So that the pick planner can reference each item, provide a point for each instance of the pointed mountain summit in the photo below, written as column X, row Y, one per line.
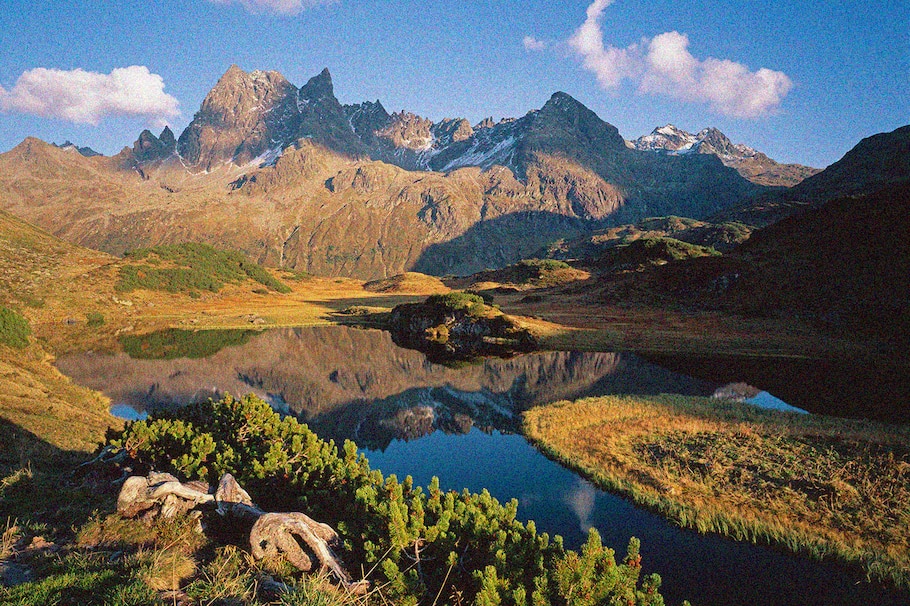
column 149, row 148
column 244, row 116
column 323, row 119
column 167, row 138
column 565, row 125
column 319, row 87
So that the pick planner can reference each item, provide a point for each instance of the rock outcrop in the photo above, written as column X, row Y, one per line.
column 458, row 326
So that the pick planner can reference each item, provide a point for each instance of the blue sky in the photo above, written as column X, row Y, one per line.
column 832, row 73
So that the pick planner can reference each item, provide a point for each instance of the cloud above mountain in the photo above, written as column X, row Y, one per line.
column 663, row 65
column 88, row 97
column 278, row 7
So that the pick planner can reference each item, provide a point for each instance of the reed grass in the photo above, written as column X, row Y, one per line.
column 819, row 486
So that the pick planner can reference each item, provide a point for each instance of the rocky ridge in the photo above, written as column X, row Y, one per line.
column 751, row 164
column 68, row 145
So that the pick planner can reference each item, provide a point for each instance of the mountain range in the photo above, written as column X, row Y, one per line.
column 294, row 178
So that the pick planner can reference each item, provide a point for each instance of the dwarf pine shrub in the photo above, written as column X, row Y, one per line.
column 14, row 329
column 468, row 545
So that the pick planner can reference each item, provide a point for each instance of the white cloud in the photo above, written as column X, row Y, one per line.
column 533, row 44
column 663, row 65
column 278, row 7
column 88, row 97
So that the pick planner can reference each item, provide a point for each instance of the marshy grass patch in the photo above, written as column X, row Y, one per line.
column 820, row 486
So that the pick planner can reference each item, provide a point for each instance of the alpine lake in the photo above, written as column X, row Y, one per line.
column 461, row 423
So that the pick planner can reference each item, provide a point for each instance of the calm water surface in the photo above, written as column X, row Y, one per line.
column 413, row 417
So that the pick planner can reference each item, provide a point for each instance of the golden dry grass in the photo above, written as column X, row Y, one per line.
column 818, row 485
column 44, row 404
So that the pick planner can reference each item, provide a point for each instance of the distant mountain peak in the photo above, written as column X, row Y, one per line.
column 751, row 164
column 88, row 152
column 149, row 148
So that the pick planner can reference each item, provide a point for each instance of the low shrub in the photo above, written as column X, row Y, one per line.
column 420, row 543
column 14, row 329
column 458, row 301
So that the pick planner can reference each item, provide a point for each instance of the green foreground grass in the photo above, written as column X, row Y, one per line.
column 825, row 487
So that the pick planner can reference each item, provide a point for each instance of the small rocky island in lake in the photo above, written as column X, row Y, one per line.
column 458, row 326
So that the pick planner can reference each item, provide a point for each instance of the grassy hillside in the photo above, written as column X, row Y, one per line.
column 43, row 281
column 189, row 268
column 524, row 275
column 410, row 283
column 720, row 236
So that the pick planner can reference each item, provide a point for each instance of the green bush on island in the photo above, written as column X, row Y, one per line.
column 468, row 546
column 470, row 303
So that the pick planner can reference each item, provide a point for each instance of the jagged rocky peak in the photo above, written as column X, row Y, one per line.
column 243, row 117
column 366, row 118
column 751, row 164
column 149, row 148
column 485, row 123
column 562, row 113
column 319, row 87
column 239, row 95
column 324, row 120
column 408, row 130
column 452, row 130
column 167, row 138
column 668, row 137
column 712, row 141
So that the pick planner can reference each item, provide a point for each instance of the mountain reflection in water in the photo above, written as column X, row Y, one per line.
column 354, row 383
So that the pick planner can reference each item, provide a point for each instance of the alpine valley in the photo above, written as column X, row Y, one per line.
column 574, row 340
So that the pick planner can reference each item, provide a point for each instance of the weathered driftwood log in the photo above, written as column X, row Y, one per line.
column 276, row 534
column 234, row 502
column 160, row 493
column 271, row 534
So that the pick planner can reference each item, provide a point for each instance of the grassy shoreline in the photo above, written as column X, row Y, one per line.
column 818, row 486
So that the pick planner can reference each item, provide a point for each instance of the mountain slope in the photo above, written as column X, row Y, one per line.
column 843, row 266
column 875, row 162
